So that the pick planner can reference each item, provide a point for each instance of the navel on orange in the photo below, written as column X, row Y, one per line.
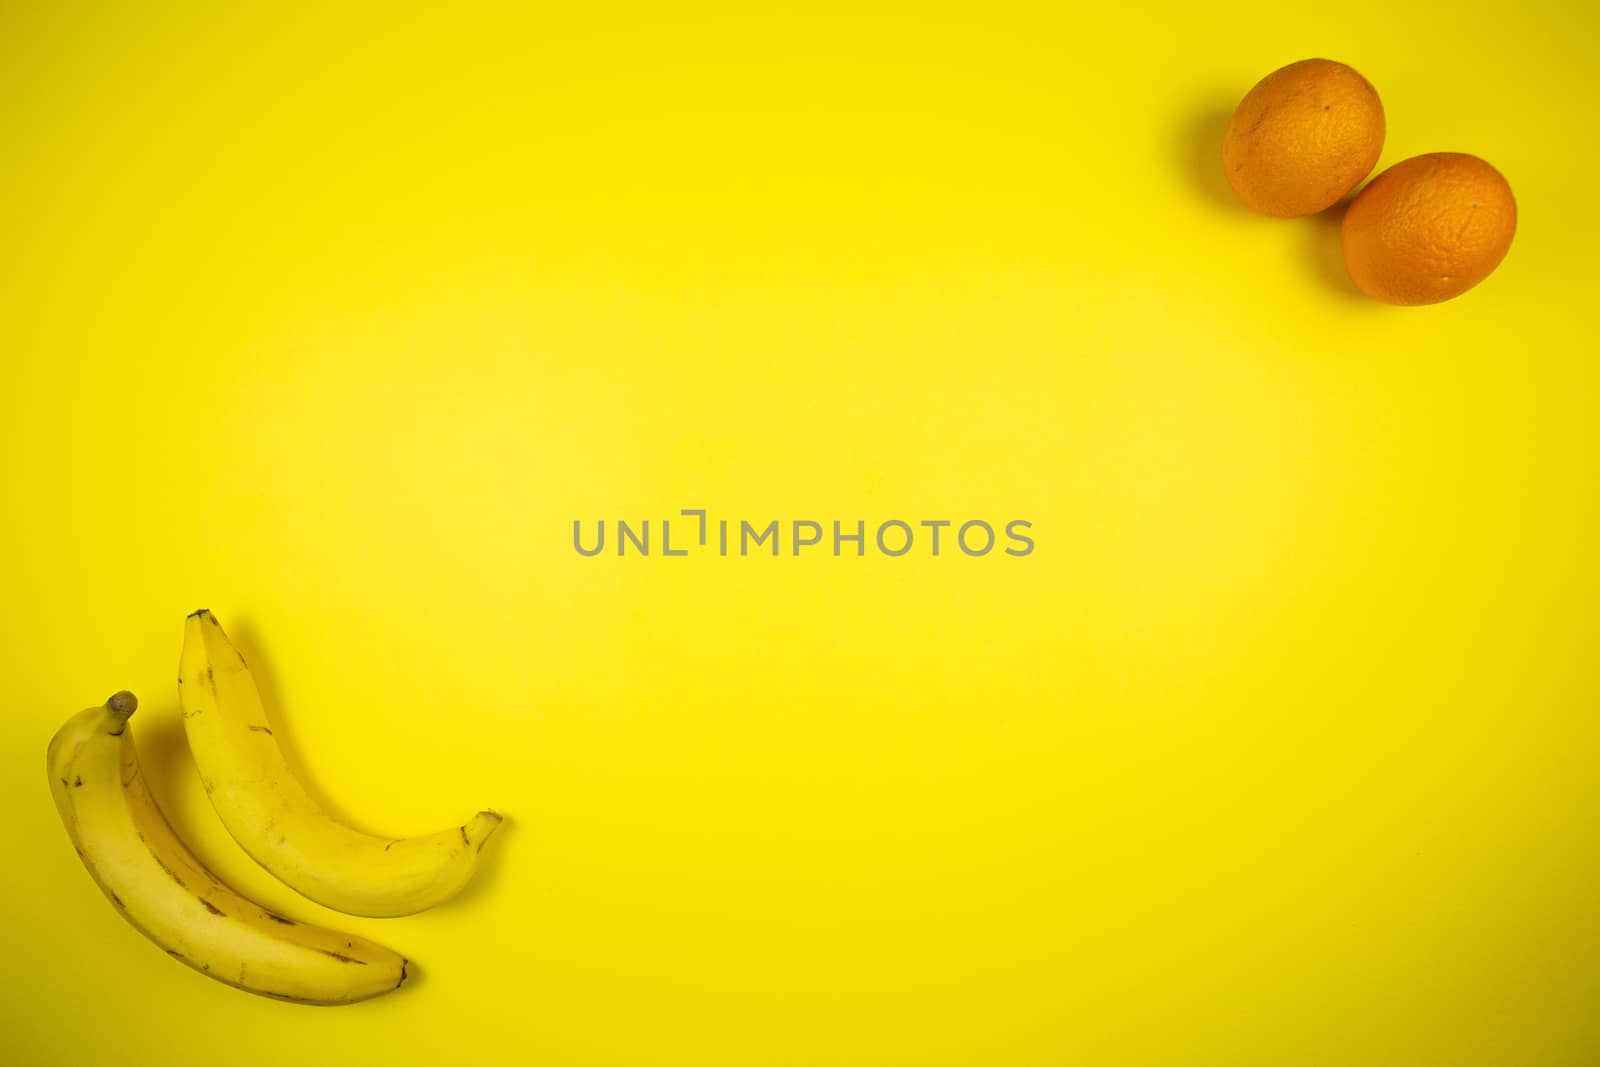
column 1429, row 228
column 1303, row 138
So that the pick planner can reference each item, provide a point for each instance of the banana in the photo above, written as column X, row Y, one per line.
column 269, row 813
column 159, row 887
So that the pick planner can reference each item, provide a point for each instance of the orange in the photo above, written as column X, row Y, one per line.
column 1303, row 137
column 1429, row 228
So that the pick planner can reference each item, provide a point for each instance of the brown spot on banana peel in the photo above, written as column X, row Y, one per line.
column 341, row 957
column 465, row 840
column 116, row 899
column 173, row 874
column 280, row 919
column 262, row 730
column 404, row 967
column 212, row 908
column 175, row 954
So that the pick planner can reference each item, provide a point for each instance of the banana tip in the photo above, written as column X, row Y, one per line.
column 481, row 827
column 200, row 612
column 122, row 703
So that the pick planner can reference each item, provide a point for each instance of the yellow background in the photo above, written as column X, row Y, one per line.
column 1278, row 750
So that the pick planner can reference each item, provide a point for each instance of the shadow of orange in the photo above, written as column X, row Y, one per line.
column 1327, row 251
column 1203, row 158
